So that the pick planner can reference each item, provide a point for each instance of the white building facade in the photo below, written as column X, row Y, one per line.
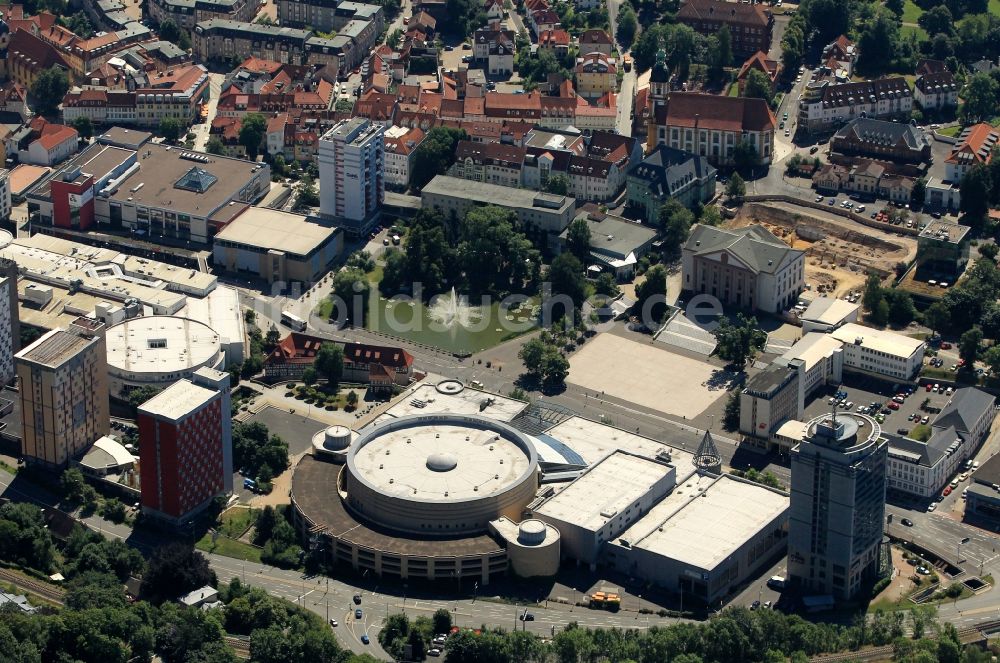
column 351, row 162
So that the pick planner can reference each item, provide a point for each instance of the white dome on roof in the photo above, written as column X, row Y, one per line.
column 441, row 462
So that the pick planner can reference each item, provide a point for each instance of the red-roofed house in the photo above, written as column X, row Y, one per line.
column 556, row 41
column 760, row 62
column 975, row 146
column 368, row 364
column 596, row 41
column 595, row 75
column 400, row 144
column 51, row 144
column 28, row 56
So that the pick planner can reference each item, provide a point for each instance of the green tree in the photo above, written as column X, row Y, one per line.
column 606, row 285
column 975, row 189
column 308, row 196
column 84, row 127
column 137, row 397
column 989, row 251
column 745, row 157
column 758, row 85
column 739, row 341
column 48, row 90
column 627, row 26
column 722, row 56
column 731, row 417
column 214, row 145
column 736, row 188
column 565, row 275
column 434, row 155
column 170, row 129
column 880, row 35
column 351, row 287
column 330, row 363
column 937, row 317
column 558, row 184
column 169, row 31
column 651, row 297
column 175, row 569
column 578, row 239
column 675, row 221
column 873, row 292
column 344, row 105
column 980, row 97
column 555, row 368
column 901, row 309
column 531, row 354
column 310, row 376
column 442, row 621
column 968, row 346
column 352, row 399
column 937, row 20
column 252, row 130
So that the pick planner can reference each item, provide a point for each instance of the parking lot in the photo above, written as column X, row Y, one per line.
column 863, row 392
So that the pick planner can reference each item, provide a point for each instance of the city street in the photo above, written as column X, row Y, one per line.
column 626, row 98
column 201, row 129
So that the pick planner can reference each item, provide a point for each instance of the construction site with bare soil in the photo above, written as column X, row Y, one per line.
column 839, row 253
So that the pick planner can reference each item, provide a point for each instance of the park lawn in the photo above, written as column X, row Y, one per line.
column 994, row 7
column 906, row 30
column 912, row 12
column 237, row 520
column 950, row 131
column 229, row 548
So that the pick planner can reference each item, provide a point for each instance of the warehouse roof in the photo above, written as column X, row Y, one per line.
column 270, row 229
column 829, row 310
column 880, row 340
column 714, row 522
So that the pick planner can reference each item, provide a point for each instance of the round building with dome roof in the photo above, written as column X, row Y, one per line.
column 415, row 496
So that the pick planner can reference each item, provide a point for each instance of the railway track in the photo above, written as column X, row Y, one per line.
column 885, row 652
column 47, row 592
column 240, row 645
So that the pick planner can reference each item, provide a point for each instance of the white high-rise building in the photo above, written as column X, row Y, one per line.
column 351, row 162
column 5, row 197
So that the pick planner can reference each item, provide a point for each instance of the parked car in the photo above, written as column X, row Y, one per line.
column 365, row 639
column 931, row 506
column 925, row 419
column 814, row 149
column 358, row 614
column 907, row 522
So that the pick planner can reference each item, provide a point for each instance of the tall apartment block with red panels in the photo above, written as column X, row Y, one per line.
column 185, row 447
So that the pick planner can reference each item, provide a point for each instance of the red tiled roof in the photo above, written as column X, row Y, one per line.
column 759, row 61
column 303, row 348
column 552, row 38
column 490, row 153
column 690, row 109
column 594, row 37
column 976, row 145
column 727, row 12
column 54, row 135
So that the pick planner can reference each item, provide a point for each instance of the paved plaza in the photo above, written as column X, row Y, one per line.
column 647, row 375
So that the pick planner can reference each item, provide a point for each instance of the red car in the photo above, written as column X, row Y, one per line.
column 929, row 386
column 893, row 405
column 947, row 491
column 946, row 346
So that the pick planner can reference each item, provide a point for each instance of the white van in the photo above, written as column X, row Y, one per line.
column 776, row 582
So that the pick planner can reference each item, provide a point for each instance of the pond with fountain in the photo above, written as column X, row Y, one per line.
column 450, row 321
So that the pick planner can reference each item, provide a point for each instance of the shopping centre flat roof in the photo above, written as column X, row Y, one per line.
column 706, row 530
column 160, row 344
column 593, row 440
column 426, row 399
column 270, row 229
column 604, row 490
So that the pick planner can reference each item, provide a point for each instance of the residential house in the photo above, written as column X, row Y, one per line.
column 557, row 41
column 757, row 62
column 493, row 49
column 936, row 91
column 840, row 55
column 494, row 10
column 50, row 144
column 494, row 163
column 400, row 144
column 595, row 41
column 595, row 75
column 367, row 364
column 28, row 56
column 668, row 173
column 975, row 146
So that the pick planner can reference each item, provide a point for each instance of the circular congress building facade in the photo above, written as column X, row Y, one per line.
column 414, row 497
column 158, row 350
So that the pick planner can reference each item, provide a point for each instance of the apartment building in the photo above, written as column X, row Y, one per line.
column 667, row 173
column 825, row 105
column 352, row 184
column 596, row 75
column 750, row 25
column 771, row 398
column 218, row 39
column 975, row 146
column 188, row 13
column 494, row 163
column 176, row 93
column 64, row 393
column 328, row 15
column 936, row 90
column 186, row 446
column 400, row 144
column 880, row 352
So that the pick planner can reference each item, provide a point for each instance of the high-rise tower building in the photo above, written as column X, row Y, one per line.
column 186, row 446
column 351, row 182
column 64, row 393
column 837, row 505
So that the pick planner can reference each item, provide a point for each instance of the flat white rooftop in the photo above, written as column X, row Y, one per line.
column 812, row 348
column 707, row 529
column 880, row 340
column 268, row 229
column 441, row 462
column 829, row 310
column 220, row 310
column 606, row 489
column 177, row 401
column 426, row 399
column 160, row 344
column 592, row 441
